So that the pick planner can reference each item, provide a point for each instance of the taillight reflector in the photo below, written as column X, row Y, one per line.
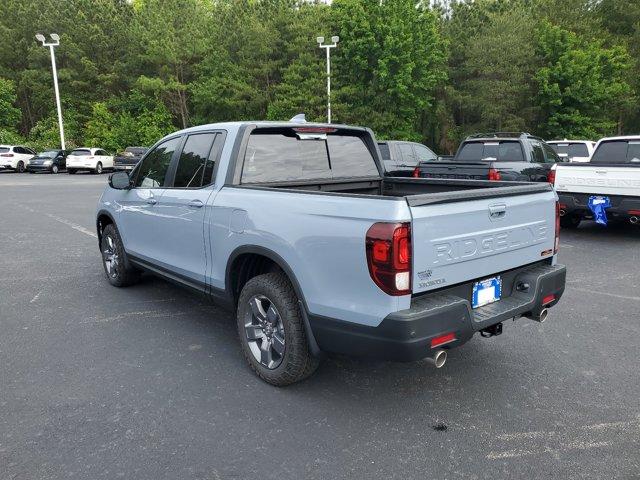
column 548, row 299
column 551, row 177
column 494, row 175
column 556, row 245
column 416, row 172
column 442, row 339
column 388, row 247
column 634, row 212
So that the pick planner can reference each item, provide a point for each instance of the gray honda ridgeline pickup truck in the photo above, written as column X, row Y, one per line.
column 295, row 228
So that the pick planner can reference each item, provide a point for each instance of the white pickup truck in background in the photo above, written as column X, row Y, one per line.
column 612, row 176
column 573, row 150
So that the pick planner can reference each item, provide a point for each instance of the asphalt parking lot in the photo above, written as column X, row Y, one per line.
column 149, row 382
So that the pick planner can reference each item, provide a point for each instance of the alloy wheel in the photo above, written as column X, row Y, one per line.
column 110, row 256
column 264, row 332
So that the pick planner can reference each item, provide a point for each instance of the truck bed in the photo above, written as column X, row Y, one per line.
column 417, row 191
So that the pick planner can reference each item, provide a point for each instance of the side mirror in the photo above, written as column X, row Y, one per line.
column 120, row 181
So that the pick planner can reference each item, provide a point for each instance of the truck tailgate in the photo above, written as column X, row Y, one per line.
column 461, row 170
column 460, row 241
column 598, row 179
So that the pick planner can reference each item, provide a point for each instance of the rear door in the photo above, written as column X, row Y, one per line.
column 469, row 240
column 185, row 205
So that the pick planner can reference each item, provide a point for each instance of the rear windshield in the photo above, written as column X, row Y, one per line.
column 384, row 151
column 275, row 155
column 570, row 149
column 500, row 151
column 4, row 149
column 135, row 150
column 48, row 153
column 80, row 152
column 617, row 151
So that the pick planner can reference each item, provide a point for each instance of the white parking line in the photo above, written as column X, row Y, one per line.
column 607, row 294
column 64, row 221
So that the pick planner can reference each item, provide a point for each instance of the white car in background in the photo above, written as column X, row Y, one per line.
column 573, row 150
column 94, row 160
column 15, row 157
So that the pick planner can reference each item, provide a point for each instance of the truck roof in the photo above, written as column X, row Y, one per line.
column 625, row 137
column 265, row 123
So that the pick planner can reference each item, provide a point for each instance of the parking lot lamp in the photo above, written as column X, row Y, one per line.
column 328, row 48
column 56, row 41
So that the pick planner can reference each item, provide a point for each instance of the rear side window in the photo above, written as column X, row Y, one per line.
column 4, row 149
column 384, row 151
column 407, row 157
column 153, row 168
column 537, row 152
column 193, row 161
column 282, row 155
column 424, row 154
column 617, row 151
column 500, row 151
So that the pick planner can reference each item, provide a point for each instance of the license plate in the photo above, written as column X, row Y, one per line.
column 486, row 292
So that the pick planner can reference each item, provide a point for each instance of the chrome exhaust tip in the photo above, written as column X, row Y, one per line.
column 634, row 220
column 563, row 212
column 540, row 317
column 438, row 359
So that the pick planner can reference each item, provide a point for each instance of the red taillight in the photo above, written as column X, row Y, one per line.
column 6, row 154
column 634, row 212
column 388, row 248
column 551, row 177
column 556, row 246
column 548, row 299
column 416, row 172
column 442, row 339
column 494, row 175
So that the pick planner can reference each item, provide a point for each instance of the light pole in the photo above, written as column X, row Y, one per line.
column 328, row 48
column 56, row 41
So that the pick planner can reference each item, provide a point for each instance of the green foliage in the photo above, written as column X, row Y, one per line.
column 9, row 114
column 579, row 84
column 432, row 71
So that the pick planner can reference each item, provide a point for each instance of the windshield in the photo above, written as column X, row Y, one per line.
column 48, row 153
column 80, row 152
column 617, row 151
column 500, row 151
column 275, row 155
column 570, row 149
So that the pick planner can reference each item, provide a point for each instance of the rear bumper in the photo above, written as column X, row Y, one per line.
column 406, row 335
column 576, row 203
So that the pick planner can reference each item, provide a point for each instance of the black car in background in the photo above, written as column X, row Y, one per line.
column 505, row 156
column 400, row 158
column 51, row 161
column 129, row 158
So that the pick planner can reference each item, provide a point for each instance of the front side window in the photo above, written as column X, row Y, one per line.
column 193, row 161
column 153, row 168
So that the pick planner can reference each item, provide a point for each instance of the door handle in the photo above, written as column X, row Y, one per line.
column 151, row 201
column 196, row 204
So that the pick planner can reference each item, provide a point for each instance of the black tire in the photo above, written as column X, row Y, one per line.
column 20, row 167
column 71, row 171
column 296, row 363
column 98, row 169
column 54, row 169
column 111, row 246
column 570, row 222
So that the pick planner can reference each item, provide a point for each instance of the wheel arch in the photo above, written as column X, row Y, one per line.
column 238, row 272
